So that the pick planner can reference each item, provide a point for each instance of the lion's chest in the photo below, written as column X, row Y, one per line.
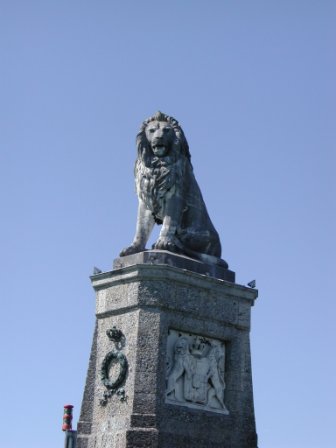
column 155, row 185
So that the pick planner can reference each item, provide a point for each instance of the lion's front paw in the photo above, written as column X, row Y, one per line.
column 133, row 249
column 170, row 244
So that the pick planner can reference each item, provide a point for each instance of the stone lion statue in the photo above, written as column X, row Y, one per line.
column 169, row 194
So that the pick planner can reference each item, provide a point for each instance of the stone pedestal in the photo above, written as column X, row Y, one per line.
column 170, row 365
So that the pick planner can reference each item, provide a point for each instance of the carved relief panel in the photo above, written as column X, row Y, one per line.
column 195, row 371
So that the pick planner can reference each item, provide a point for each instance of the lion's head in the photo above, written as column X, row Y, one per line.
column 160, row 135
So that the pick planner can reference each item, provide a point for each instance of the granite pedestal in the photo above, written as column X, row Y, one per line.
column 170, row 365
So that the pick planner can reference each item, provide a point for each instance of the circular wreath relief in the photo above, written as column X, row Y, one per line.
column 105, row 368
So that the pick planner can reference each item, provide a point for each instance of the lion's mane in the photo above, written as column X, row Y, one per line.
column 156, row 176
column 143, row 147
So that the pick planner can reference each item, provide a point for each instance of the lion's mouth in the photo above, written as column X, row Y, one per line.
column 159, row 149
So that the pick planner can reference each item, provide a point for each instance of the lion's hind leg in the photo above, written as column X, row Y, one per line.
column 202, row 241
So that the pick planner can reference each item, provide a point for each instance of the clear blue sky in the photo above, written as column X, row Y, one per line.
column 253, row 85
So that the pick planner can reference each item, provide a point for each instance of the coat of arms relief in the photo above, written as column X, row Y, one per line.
column 195, row 371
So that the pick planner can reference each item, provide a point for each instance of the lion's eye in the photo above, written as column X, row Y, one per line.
column 151, row 130
column 166, row 129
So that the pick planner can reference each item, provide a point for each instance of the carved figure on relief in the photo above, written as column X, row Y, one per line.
column 196, row 373
column 169, row 195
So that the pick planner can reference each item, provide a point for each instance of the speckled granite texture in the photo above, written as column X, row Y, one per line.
column 145, row 301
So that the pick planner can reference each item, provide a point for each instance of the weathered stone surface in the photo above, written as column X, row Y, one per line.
column 147, row 302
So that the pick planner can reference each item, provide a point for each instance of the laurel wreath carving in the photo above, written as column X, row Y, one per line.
column 105, row 367
column 113, row 357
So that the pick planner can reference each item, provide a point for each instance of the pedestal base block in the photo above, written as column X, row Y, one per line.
column 170, row 364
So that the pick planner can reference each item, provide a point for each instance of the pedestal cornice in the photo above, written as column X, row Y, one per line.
column 140, row 272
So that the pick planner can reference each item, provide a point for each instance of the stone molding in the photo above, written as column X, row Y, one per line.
column 164, row 272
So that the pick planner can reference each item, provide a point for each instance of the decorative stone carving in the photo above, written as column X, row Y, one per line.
column 114, row 334
column 195, row 371
column 169, row 195
column 114, row 358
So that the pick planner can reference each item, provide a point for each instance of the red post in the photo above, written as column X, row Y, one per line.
column 67, row 418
